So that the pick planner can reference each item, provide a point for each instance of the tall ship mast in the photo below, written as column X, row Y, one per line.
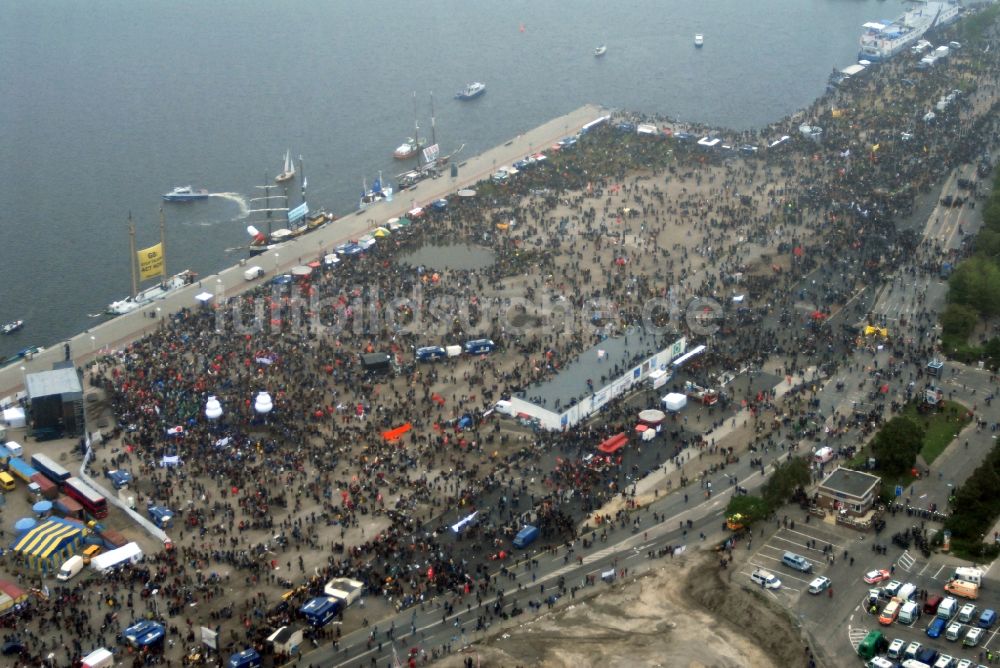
column 147, row 263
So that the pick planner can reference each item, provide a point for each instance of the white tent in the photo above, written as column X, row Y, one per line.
column 674, row 401
column 14, row 417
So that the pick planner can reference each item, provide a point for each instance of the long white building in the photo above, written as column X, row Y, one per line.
column 612, row 367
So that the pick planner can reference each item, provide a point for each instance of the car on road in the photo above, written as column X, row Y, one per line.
column 973, row 637
column 819, row 585
column 765, row 579
column 876, row 576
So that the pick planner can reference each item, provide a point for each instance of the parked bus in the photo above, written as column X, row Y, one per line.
column 92, row 502
column 51, row 470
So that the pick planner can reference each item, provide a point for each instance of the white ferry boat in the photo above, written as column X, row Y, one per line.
column 881, row 40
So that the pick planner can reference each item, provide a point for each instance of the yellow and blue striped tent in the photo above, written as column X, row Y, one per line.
column 48, row 545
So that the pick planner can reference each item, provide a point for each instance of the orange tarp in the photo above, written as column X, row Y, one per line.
column 394, row 434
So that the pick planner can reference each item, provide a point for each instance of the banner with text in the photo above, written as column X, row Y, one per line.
column 151, row 262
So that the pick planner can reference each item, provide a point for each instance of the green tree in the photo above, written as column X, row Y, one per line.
column 988, row 244
column 752, row 508
column 957, row 322
column 789, row 476
column 976, row 283
column 897, row 445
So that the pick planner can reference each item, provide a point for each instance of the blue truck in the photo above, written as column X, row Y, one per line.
column 321, row 610
column 479, row 346
column 21, row 469
column 120, row 478
column 248, row 658
column 162, row 517
column 525, row 537
column 144, row 633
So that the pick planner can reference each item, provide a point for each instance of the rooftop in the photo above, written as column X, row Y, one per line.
column 63, row 381
column 602, row 363
column 852, row 483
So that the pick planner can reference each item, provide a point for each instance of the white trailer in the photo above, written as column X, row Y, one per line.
column 130, row 553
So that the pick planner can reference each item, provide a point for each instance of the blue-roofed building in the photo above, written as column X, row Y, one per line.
column 600, row 374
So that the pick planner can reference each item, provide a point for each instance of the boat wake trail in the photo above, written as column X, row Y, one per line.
column 240, row 200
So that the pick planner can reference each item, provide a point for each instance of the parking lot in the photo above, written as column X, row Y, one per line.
column 930, row 575
column 841, row 614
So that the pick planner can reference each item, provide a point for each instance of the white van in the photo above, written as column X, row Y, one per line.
column 954, row 631
column 947, row 608
column 823, row 455
column 70, row 568
column 973, row 575
column 909, row 613
column 253, row 273
column 880, row 662
column 15, row 448
column 796, row 561
column 765, row 579
column 907, row 591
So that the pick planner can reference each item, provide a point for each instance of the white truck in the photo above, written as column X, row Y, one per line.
column 345, row 590
column 130, row 553
column 70, row 568
column 253, row 273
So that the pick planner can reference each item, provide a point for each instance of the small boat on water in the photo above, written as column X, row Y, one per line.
column 24, row 354
column 699, row 40
column 471, row 92
column 375, row 195
column 409, row 148
column 11, row 327
column 288, row 173
column 600, row 51
column 185, row 194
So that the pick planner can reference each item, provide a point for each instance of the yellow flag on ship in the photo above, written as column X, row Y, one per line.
column 150, row 261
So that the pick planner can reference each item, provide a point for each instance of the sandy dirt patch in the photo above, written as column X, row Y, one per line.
column 684, row 613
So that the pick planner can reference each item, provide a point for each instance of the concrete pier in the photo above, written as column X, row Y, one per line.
column 119, row 331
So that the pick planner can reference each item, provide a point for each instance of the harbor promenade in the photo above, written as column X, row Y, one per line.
column 117, row 332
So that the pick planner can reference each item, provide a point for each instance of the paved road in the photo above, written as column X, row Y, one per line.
column 433, row 627
column 116, row 332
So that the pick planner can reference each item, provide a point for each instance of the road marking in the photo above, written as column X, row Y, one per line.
column 906, row 561
column 935, row 576
column 855, row 636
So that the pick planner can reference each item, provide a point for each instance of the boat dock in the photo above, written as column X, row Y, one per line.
column 120, row 331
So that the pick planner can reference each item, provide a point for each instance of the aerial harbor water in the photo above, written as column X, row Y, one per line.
column 107, row 107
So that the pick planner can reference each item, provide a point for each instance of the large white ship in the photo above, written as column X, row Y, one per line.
column 882, row 40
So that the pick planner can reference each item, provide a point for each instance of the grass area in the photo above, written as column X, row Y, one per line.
column 940, row 427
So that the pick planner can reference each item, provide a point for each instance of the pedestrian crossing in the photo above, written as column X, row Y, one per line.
column 906, row 561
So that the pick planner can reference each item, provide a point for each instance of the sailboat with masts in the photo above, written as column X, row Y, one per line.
column 288, row 173
column 272, row 210
column 149, row 263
